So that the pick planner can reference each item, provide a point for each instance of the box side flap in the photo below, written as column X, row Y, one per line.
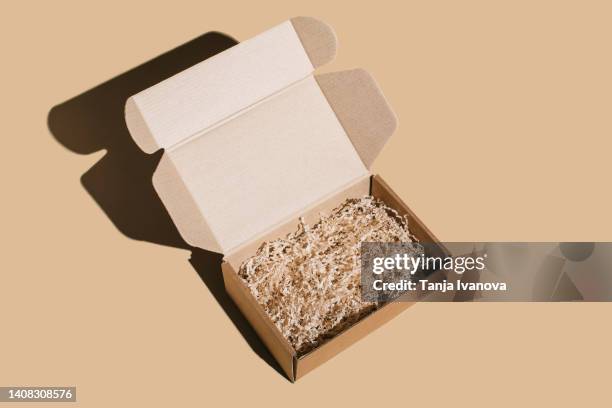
column 193, row 100
column 179, row 202
column 362, row 110
column 318, row 39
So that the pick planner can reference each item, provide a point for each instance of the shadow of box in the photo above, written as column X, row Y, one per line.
column 120, row 182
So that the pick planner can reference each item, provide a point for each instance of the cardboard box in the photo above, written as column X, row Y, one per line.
column 253, row 141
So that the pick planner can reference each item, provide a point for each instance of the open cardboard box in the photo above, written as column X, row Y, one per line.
column 253, row 141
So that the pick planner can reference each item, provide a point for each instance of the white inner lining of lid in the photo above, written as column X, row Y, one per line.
column 209, row 92
column 267, row 164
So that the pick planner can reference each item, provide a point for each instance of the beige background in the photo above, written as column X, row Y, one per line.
column 504, row 135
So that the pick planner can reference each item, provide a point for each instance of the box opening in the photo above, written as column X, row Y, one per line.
column 301, row 364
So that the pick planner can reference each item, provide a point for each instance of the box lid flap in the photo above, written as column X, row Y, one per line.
column 252, row 138
column 215, row 89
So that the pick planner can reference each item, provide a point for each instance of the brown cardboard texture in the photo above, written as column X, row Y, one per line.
column 252, row 141
column 296, row 367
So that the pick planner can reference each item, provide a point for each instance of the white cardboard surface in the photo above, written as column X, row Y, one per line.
column 213, row 90
column 251, row 138
column 267, row 164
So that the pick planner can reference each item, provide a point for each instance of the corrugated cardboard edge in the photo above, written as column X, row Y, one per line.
column 361, row 108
